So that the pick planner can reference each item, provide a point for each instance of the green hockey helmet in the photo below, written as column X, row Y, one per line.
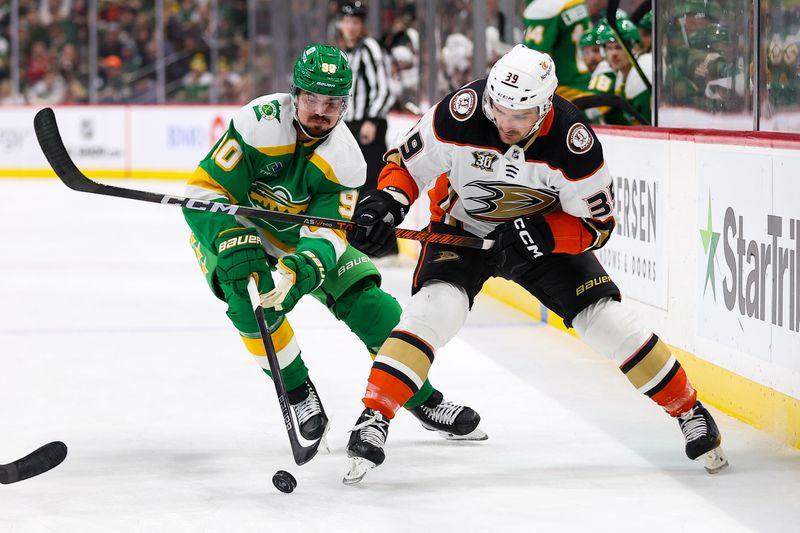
column 646, row 22
column 627, row 30
column 588, row 38
column 322, row 69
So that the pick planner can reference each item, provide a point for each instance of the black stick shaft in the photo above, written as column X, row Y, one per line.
column 302, row 454
column 56, row 153
column 611, row 16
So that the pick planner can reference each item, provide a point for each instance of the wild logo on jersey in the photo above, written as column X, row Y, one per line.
column 268, row 110
column 277, row 199
column 484, row 160
column 500, row 201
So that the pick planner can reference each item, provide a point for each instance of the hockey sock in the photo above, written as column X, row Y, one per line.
column 293, row 369
column 371, row 314
column 398, row 372
column 655, row 372
column 610, row 328
column 421, row 396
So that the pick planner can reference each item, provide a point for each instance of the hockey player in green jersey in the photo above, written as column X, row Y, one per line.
column 292, row 153
column 629, row 84
column 555, row 27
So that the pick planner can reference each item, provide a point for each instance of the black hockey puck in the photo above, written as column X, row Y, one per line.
column 284, row 481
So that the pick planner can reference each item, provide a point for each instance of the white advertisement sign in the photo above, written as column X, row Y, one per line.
column 94, row 140
column 175, row 138
column 748, row 290
column 635, row 256
column 18, row 146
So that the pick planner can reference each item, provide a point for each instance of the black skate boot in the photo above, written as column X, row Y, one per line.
column 702, row 438
column 452, row 421
column 310, row 415
column 365, row 447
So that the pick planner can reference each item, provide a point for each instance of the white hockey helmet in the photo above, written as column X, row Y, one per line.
column 521, row 79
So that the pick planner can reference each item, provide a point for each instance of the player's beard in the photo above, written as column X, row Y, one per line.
column 319, row 125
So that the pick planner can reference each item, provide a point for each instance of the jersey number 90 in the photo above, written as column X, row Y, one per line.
column 228, row 154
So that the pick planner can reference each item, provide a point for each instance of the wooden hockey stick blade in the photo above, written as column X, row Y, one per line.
column 44, row 123
column 611, row 17
column 37, row 462
column 302, row 454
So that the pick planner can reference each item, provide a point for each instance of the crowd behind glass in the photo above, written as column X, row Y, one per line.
column 708, row 70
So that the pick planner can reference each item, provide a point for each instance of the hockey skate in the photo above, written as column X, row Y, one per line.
column 451, row 421
column 702, row 438
column 311, row 418
column 365, row 447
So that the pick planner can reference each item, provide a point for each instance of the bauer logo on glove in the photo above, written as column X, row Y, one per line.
column 238, row 241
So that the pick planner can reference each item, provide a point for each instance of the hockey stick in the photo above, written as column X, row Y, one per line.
column 611, row 100
column 37, row 462
column 56, row 153
column 302, row 454
column 611, row 16
column 641, row 10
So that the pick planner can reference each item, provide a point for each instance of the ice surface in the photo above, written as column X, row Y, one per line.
column 111, row 342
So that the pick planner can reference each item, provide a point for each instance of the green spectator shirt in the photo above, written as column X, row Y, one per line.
column 259, row 162
column 555, row 27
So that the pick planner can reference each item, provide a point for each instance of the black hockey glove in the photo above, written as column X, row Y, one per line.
column 520, row 242
column 377, row 214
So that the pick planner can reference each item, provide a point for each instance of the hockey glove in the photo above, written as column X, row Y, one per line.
column 300, row 274
column 520, row 242
column 377, row 213
column 239, row 254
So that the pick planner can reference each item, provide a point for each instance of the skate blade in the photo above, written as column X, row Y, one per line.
column 358, row 469
column 323, row 440
column 475, row 434
column 715, row 460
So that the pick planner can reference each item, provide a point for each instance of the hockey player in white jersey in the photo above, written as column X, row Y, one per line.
column 509, row 161
column 291, row 152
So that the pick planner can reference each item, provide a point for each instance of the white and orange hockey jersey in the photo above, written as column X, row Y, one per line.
column 480, row 182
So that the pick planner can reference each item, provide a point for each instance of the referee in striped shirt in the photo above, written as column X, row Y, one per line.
column 371, row 97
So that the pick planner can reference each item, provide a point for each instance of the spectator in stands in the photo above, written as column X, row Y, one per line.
column 49, row 89
column 228, row 83
column 197, row 82
column 405, row 79
column 114, row 89
column 38, row 62
column 7, row 96
column 457, row 61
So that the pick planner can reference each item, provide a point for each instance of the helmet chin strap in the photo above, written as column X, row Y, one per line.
column 312, row 137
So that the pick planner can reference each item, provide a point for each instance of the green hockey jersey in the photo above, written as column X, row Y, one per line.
column 259, row 162
column 555, row 27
